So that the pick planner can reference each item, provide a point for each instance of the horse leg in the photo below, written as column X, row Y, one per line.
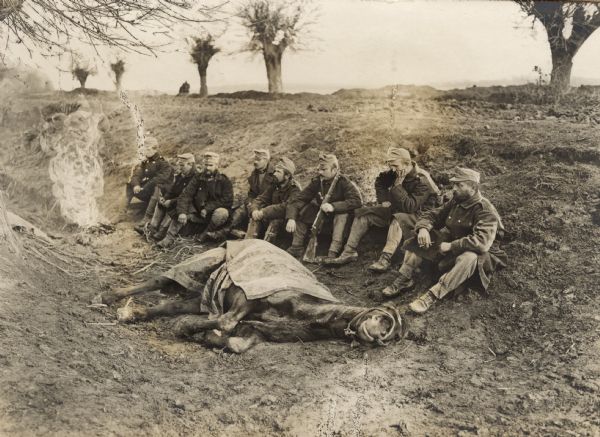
column 130, row 313
column 110, row 297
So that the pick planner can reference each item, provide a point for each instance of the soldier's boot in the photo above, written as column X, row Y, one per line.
column 160, row 233
column 383, row 264
column 346, row 257
column 297, row 247
column 400, row 284
column 142, row 226
column 423, row 302
column 166, row 242
column 219, row 235
column 238, row 234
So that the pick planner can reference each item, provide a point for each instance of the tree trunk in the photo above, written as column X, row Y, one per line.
column 81, row 76
column 562, row 63
column 203, row 86
column 273, row 57
column 118, row 80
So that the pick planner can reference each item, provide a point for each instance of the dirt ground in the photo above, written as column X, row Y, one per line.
column 524, row 360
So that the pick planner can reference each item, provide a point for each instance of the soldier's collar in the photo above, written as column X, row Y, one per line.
column 474, row 199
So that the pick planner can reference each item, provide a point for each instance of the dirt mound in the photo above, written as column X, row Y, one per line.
column 402, row 91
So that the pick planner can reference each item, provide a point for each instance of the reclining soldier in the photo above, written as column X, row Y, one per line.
column 272, row 207
column 259, row 180
column 165, row 209
column 344, row 200
column 205, row 201
column 153, row 172
column 402, row 192
column 459, row 236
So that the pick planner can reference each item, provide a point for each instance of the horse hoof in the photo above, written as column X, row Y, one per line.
column 239, row 345
column 125, row 314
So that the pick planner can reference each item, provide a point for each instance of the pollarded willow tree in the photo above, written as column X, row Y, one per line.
column 275, row 25
column 82, row 67
column 568, row 25
column 117, row 66
column 202, row 49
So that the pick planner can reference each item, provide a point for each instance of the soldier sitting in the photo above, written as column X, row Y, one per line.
column 459, row 236
column 152, row 172
column 402, row 192
column 165, row 209
column 273, row 205
column 206, row 201
column 259, row 180
column 345, row 199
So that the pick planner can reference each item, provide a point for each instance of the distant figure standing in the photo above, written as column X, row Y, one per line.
column 184, row 88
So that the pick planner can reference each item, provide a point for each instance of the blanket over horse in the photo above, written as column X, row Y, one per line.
column 259, row 268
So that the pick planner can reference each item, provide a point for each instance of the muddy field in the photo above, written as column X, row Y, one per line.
column 523, row 360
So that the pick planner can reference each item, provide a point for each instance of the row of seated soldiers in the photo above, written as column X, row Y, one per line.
column 459, row 236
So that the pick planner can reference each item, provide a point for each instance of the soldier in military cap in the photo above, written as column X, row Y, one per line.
column 402, row 191
column 259, row 180
column 460, row 237
column 206, row 200
column 273, row 205
column 303, row 211
column 165, row 209
column 153, row 172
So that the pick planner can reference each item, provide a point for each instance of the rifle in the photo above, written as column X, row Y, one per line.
column 311, row 249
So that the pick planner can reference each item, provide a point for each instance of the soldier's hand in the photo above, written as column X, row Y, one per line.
column 290, row 226
column 182, row 219
column 386, row 204
column 327, row 207
column 400, row 177
column 203, row 213
column 257, row 215
column 167, row 203
column 445, row 247
column 137, row 189
column 423, row 238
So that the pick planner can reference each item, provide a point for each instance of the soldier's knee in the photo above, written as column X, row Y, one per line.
column 467, row 257
column 219, row 217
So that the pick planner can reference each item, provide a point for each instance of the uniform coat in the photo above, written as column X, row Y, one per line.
column 276, row 200
column 345, row 198
column 206, row 191
column 155, row 170
column 470, row 225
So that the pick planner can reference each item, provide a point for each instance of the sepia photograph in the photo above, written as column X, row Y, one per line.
column 301, row 218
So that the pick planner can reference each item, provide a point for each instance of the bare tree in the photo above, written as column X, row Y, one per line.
column 568, row 25
column 202, row 49
column 126, row 24
column 118, row 69
column 82, row 67
column 274, row 26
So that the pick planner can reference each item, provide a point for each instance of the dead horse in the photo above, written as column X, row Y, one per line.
column 254, row 292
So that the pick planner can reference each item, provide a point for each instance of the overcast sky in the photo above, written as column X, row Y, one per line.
column 358, row 43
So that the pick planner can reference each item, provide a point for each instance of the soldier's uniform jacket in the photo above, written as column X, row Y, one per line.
column 256, row 185
column 412, row 195
column 276, row 200
column 155, row 169
column 345, row 197
column 206, row 191
column 179, row 184
column 470, row 225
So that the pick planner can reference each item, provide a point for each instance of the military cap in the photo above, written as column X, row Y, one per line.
column 465, row 174
column 187, row 157
column 211, row 157
column 262, row 153
column 329, row 159
column 395, row 153
column 286, row 164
